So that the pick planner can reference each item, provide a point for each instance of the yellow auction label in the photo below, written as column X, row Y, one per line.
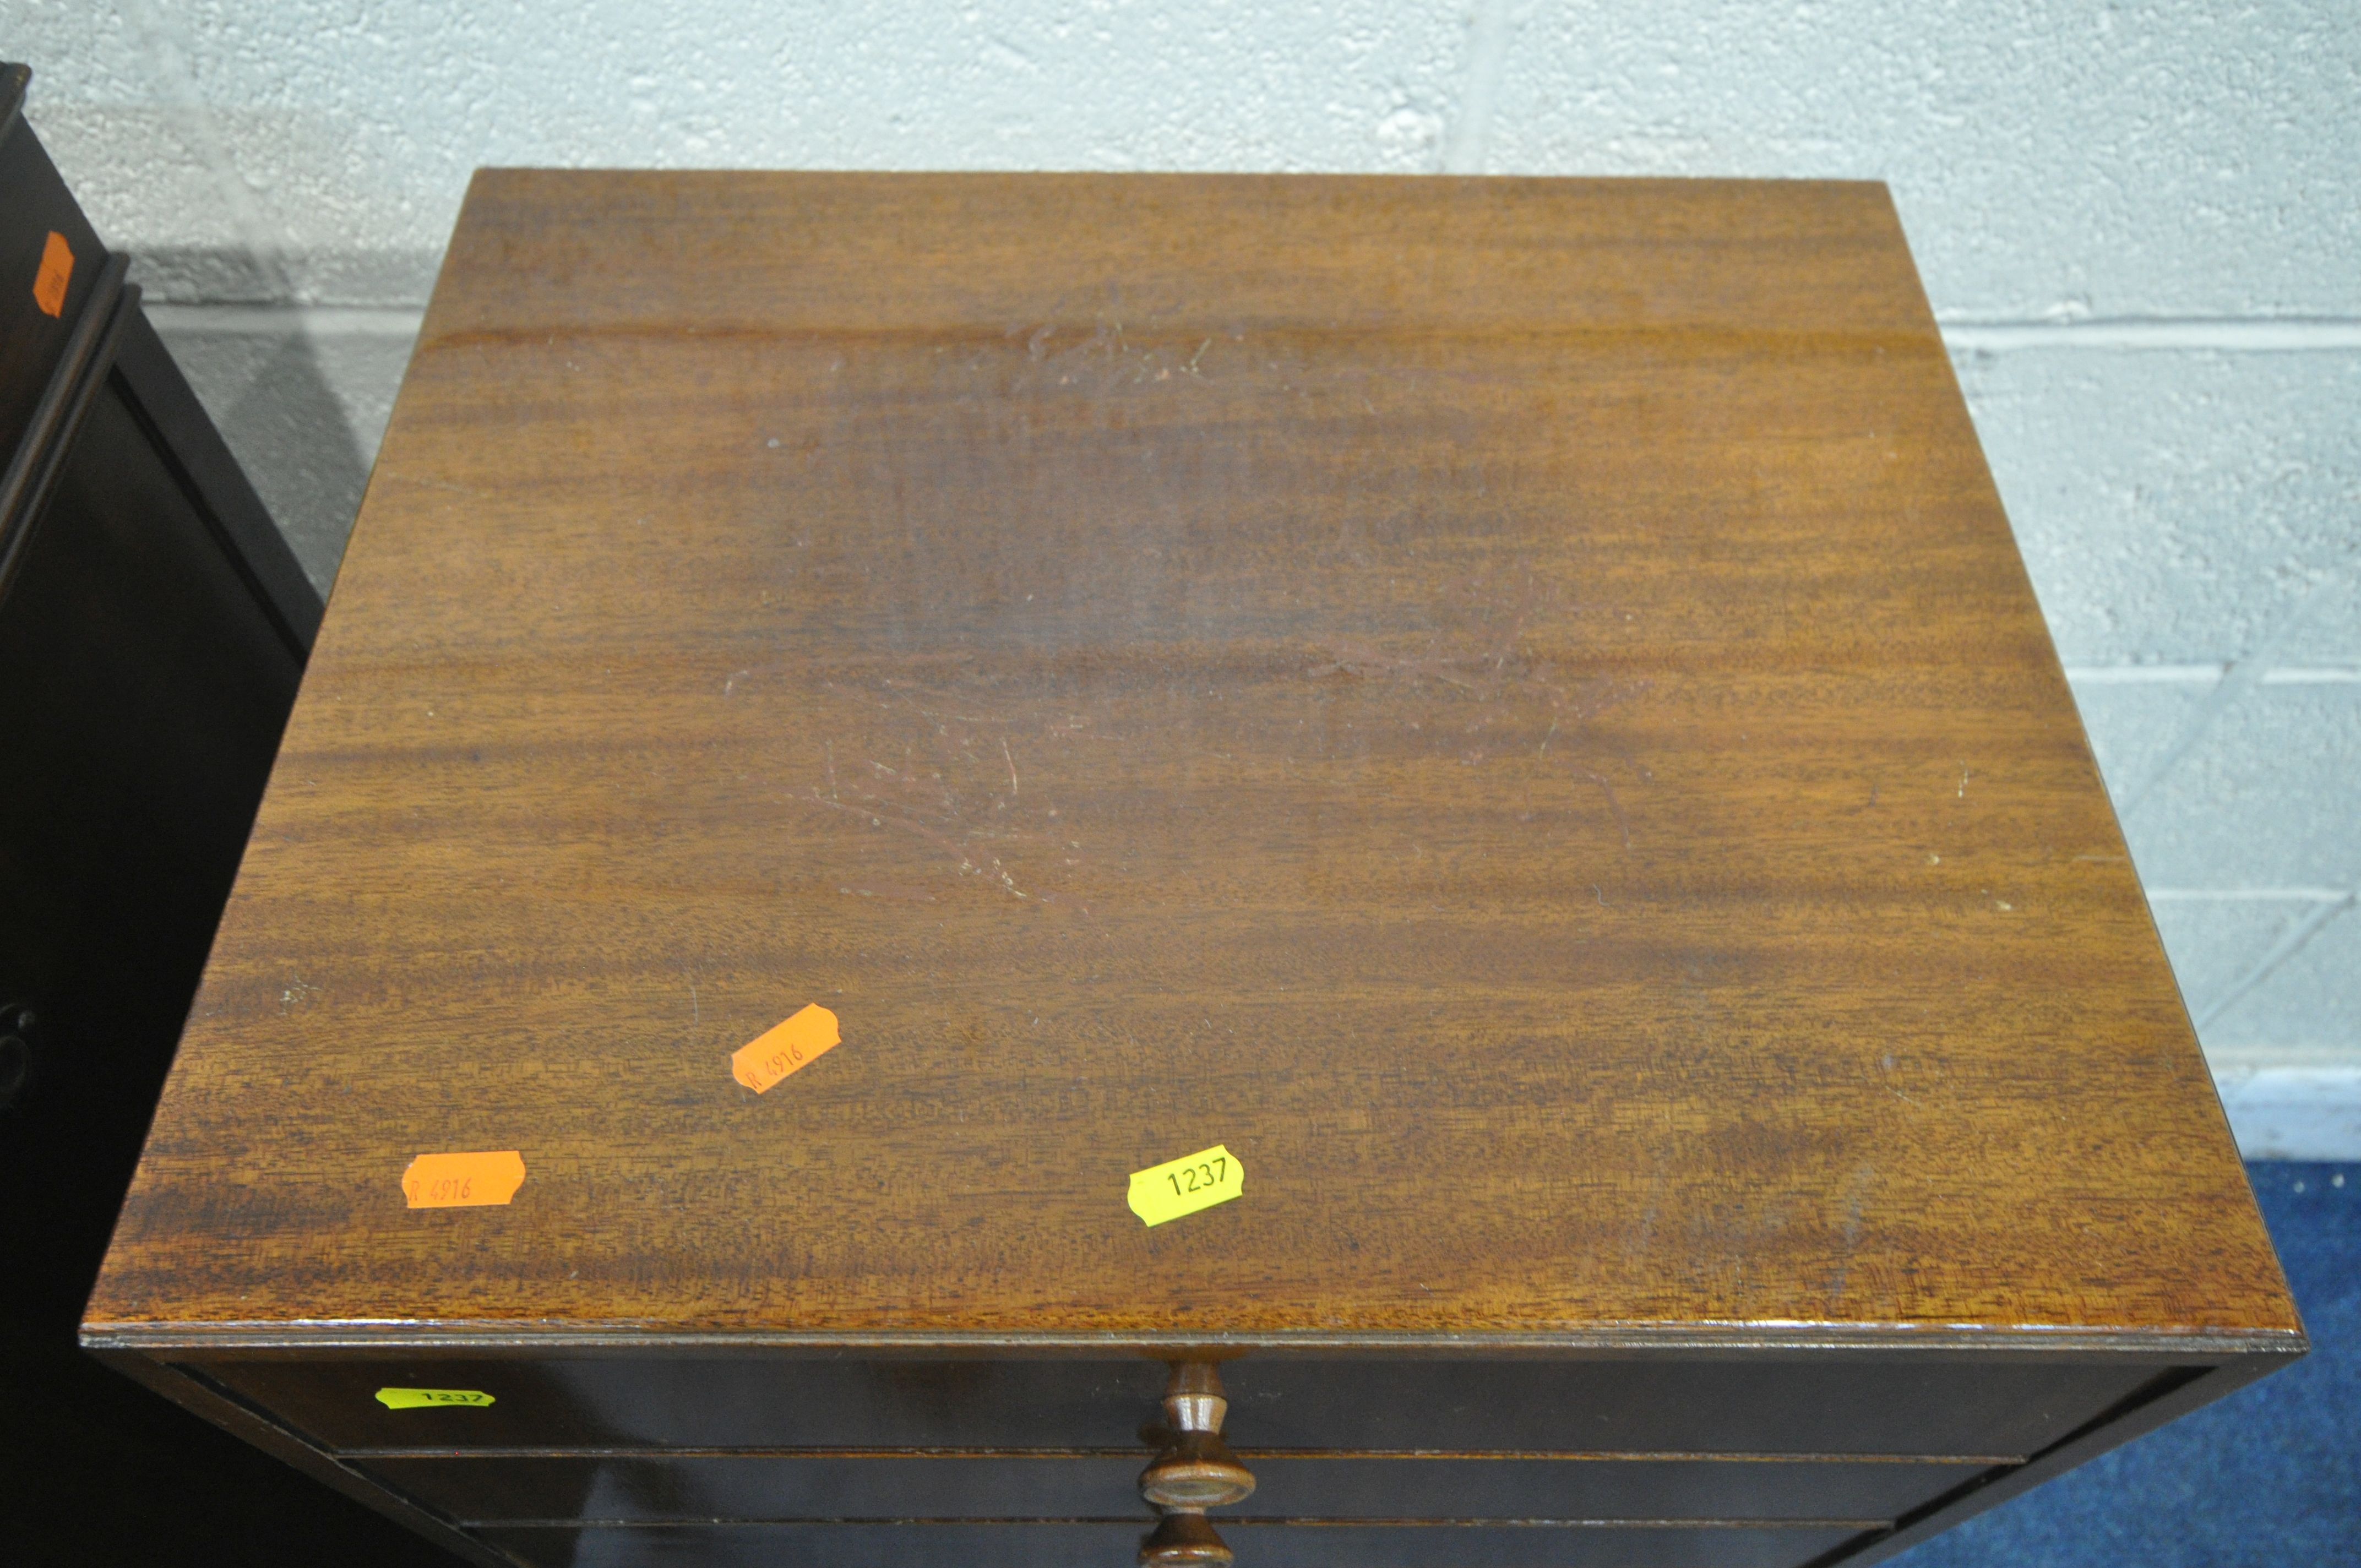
column 1184, row 1186
column 412, row 1399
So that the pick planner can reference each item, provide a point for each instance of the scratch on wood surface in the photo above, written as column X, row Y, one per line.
column 891, row 893
column 1500, row 673
column 1887, row 1063
column 1861, row 1176
column 432, row 484
column 1622, row 822
column 940, row 787
column 880, row 813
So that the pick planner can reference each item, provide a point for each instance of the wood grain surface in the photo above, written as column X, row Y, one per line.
column 1511, row 705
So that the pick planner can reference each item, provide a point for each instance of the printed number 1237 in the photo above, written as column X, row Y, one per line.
column 1203, row 1175
column 1184, row 1186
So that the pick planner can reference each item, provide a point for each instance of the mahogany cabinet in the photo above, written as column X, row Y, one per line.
column 863, row 712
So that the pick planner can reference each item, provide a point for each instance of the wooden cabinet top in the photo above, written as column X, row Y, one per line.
column 1511, row 706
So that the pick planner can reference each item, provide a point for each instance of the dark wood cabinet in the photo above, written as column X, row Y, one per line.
column 153, row 627
column 1508, row 707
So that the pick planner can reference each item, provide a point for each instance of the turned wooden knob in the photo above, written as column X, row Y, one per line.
column 1196, row 1470
column 1184, row 1540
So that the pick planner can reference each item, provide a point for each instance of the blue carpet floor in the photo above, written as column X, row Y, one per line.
column 2269, row 1477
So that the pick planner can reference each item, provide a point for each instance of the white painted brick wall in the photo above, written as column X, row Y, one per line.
column 2139, row 223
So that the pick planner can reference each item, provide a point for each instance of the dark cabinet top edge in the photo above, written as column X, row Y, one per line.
column 2197, row 1345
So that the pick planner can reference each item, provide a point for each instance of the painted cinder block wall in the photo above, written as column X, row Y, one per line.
column 2140, row 225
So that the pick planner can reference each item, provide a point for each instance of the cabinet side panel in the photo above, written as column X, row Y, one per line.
column 198, row 1396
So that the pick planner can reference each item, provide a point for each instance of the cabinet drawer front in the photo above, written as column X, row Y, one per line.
column 1114, row 1545
column 1001, row 1486
column 1761, row 1403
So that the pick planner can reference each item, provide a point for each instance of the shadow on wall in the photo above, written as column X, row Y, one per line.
column 389, row 277
column 303, row 410
column 314, row 470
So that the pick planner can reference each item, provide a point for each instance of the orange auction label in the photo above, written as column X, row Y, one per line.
column 56, row 272
column 463, row 1181
column 779, row 1051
